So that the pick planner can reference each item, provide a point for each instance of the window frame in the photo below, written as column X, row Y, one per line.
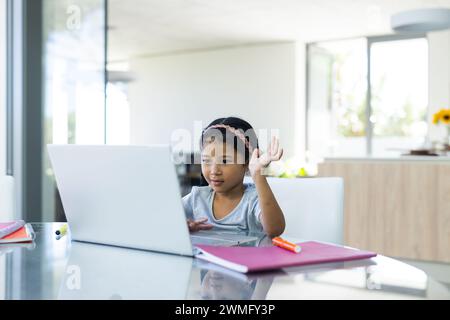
column 370, row 40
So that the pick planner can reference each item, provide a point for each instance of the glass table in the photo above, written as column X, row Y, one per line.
column 64, row 269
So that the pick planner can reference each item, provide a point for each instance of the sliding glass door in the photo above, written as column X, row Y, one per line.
column 399, row 94
column 337, row 86
column 74, row 78
column 367, row 96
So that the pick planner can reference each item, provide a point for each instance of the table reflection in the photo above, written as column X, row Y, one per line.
column 65, row 269
column 105, row 272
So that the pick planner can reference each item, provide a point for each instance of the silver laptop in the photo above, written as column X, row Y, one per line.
column 127, row 196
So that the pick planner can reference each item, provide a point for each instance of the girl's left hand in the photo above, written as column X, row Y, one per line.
column 258, row 162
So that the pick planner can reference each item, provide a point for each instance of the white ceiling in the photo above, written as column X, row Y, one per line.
column 150, row 27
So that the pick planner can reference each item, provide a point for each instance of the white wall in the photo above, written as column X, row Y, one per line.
column 257, row 83
column 439, row 80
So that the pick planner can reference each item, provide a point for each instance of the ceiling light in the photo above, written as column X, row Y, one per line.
column 421, row 20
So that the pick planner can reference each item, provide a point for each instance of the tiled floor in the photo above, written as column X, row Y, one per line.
column 438, row 271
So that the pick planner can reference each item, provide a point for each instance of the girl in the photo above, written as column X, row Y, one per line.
column 229, row 147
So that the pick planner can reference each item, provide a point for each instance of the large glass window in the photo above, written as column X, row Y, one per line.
column 399, row 94
column 74, row 83
column 337, row 90
column 2, row 88
column 117, row 108
column 345, row 118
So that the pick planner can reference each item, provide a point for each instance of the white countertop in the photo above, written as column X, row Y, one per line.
column 445, row 159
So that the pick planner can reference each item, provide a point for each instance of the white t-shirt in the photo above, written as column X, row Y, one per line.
column 245, row 217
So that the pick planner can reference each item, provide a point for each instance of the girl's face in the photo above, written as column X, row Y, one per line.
column 222, row 166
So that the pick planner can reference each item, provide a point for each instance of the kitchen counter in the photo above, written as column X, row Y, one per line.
column 393, row 158
column 396, row 206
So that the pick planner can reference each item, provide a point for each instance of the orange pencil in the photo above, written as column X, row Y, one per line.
column 279, row 242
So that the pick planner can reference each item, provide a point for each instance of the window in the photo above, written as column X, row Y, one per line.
column 367, row 96
column 74, row 83
column 2, row 87
column 337, row 90
column 399, row 94
column 117, row 113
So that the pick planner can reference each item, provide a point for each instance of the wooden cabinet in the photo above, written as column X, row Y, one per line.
column 396, row 208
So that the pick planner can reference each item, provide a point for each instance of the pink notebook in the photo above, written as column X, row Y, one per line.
column 250, row 259
column 6, row 228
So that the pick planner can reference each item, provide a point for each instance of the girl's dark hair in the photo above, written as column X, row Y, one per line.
column 246, row 130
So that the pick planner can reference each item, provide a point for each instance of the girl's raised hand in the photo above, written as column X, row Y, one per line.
column 258, row 162
column 199, row 225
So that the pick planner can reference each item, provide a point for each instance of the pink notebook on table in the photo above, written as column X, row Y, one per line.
column 251, row 259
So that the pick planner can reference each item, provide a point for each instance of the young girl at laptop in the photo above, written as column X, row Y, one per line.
column 229, row 148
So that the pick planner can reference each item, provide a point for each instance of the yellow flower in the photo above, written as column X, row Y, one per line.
column 436, row 117
column 445, row 116
column 442, row 116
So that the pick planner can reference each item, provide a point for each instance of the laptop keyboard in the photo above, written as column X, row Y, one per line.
column 218, row 238
column 196, row 240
